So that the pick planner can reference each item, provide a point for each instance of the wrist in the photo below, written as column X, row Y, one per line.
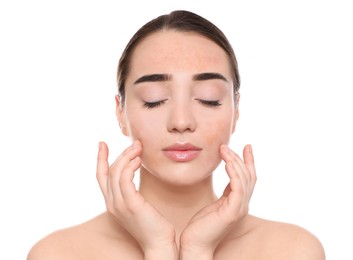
column 195, row 253
column 168, row 251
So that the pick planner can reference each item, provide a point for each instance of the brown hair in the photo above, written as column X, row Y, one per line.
column 183, row 21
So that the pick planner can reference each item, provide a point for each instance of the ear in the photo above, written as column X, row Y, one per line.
column 236, row 113
column 120, row 114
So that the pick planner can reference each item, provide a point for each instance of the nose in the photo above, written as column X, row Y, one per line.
column 181, row 118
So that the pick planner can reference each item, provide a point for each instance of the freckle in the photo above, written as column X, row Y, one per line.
column 209, row 139
column 216, row 133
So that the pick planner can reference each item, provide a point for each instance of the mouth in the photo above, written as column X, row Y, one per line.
column 182, row 152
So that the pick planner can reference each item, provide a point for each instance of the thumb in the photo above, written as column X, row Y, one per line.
column 102, row 167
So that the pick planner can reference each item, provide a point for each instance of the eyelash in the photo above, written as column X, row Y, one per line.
column 150, row 105
column 210, row 103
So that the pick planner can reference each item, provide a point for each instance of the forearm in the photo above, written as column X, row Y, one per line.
column 162, row 253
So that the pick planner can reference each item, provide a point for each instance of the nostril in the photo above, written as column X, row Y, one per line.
column 181, row 118
column 181, row 130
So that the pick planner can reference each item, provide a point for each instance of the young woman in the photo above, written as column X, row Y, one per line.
column 178, row 101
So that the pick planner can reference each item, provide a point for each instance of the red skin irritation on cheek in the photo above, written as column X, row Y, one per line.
column 218, row 131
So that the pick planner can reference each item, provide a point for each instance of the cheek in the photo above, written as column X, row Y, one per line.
column 144, row 133
column 140, row 125
column 146, row 137
column 143, row 130
column 151, row 140
column 218, row 132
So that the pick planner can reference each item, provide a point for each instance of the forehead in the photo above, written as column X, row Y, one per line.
column 173, row 51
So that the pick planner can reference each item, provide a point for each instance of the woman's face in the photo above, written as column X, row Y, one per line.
column 180, row 104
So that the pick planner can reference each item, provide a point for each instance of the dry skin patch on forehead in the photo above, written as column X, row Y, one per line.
column 171, row 51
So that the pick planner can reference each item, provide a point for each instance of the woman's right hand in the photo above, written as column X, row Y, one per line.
column 152, row 231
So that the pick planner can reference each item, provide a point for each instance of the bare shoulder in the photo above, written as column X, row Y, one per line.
column 289, row 241
column 271, row 240
column 93, row 239
column 54, row 246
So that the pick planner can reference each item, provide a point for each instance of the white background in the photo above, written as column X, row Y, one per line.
column 57, row 84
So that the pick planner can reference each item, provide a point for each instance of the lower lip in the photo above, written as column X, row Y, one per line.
column 182, row 156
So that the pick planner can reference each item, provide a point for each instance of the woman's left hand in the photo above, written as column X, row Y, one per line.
column 211, row 224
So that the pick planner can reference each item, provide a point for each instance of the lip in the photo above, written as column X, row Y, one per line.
column 182, row 152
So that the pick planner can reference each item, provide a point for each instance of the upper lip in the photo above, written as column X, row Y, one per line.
column 182, row 147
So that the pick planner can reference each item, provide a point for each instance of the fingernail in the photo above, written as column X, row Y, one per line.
column 99, row 145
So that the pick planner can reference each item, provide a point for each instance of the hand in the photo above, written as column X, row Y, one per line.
column 212, row 223
column 126, row 204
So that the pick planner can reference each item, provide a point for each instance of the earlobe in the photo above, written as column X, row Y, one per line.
column 120, row 114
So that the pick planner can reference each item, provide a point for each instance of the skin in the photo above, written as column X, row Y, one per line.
column 174, row 214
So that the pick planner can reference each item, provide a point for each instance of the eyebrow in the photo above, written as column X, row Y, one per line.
column 153, row 78
column 209, row 76
column 168, row 77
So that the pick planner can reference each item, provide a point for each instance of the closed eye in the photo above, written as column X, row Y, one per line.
column 153, row 104
column 211, row 103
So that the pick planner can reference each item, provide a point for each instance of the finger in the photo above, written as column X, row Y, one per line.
column 119, row 163
column 234, row 193
column 113, row 191
column 102, row 167
column 249, row 161
column 240, row 194
column 244, row 169
column 123, row 154
column 227, row 190
column 237, row 182
column 248, row 172
column 127, row 186
column 122, row 164
column 234, row 165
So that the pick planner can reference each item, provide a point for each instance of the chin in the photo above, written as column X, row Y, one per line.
column 179, row 181
column 180, row 174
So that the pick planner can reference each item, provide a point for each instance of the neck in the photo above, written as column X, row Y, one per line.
column 178, row 204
